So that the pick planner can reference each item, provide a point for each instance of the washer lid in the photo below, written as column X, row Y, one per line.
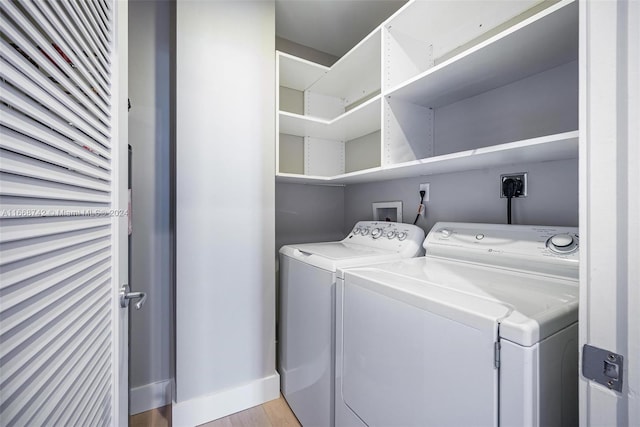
column 333, row 255
column 338, row 251
column 528, row 307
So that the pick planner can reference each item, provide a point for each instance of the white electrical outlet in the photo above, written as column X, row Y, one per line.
column 425, row 187
column 422, row 208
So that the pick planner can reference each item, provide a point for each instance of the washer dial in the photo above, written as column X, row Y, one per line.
column 562, row 243
column 376, row 233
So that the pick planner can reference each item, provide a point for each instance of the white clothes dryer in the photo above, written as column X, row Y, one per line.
column 308, row 275
column 482, row 331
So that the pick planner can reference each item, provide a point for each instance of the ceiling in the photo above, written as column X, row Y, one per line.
column 331, row 26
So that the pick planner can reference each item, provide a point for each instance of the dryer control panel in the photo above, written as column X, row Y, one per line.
column 387, row 236
column 537, row 249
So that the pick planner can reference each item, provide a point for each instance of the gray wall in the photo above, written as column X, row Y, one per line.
column 149, row 134
column 474, row 196
column 542, row 104
column 310, row 54
column 308, row 213
column 311, row 213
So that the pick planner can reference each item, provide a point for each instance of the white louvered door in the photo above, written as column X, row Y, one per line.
column 63, row 177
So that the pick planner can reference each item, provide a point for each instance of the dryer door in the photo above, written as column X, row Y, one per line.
column 405, row 362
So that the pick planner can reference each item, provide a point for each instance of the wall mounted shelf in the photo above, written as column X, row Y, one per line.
column 542, row 42
column 297, row 73
column 421, row 100
column 546, row 148
column 353, row 124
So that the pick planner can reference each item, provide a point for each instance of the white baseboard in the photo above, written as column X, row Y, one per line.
column 208, row 408
column 150, row 396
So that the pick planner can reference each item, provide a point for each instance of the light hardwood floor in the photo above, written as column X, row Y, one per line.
column 275, row 413
column 159, row 417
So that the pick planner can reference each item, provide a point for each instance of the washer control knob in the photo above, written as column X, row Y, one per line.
column 376, row 233
column 364, row 231
column 391, row 234
column 561, row 240
column 445, row 232
column 479, row 236
column 357, row 231
column 402, row 235
column 562, row 243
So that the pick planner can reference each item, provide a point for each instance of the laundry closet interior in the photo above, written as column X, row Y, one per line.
column 446, row 93
column 451, row 98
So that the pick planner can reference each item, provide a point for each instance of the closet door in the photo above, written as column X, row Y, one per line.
column 63, row 214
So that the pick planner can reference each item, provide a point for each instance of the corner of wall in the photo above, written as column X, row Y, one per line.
column 305, row 52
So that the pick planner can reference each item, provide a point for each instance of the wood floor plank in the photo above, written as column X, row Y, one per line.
column 222, row 422
column 280, row 414
column 159, row 417
column 252, row 417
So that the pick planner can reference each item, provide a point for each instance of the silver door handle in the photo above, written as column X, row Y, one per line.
column 126, row 295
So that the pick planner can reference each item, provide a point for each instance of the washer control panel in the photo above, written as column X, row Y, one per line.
column 387, row 235
column 538, row 249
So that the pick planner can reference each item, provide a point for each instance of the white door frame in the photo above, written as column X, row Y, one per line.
column 609, row 203
column 120, row 224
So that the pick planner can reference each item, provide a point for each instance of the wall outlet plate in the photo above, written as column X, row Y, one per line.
column 519, row 176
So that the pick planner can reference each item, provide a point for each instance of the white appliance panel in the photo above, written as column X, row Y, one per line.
column 535, row 306
column 306, row 347
column 410, row 334
column 308, row 275
column 385, row 379
column 529, row 397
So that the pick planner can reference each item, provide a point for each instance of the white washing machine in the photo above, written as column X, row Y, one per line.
column 482, row 331
column 308, row 275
